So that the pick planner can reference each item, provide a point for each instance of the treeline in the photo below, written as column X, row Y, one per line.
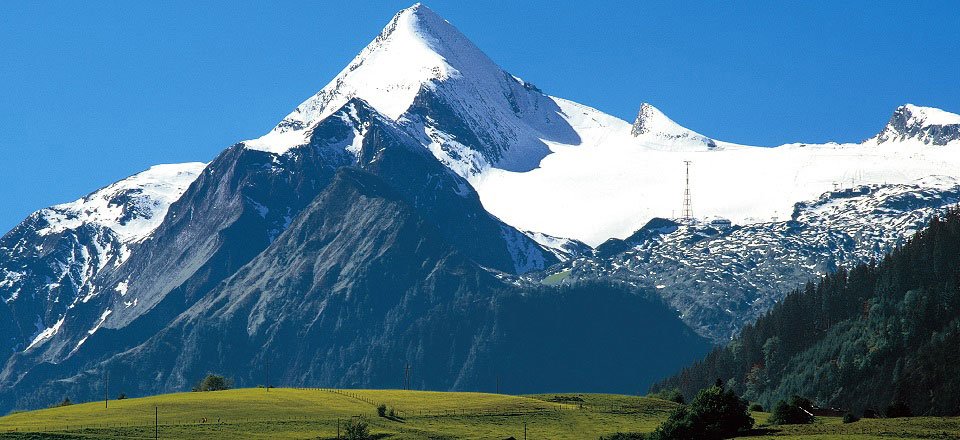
column 860, row 339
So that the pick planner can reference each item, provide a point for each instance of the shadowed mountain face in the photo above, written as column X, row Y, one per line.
column 361, row 284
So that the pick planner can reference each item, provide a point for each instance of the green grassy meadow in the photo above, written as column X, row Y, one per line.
column 285, row 413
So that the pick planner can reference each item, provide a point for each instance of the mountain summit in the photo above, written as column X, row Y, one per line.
column 422, row 72
column 417, row 46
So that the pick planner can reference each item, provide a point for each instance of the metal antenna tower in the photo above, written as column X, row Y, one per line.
column 687, row 203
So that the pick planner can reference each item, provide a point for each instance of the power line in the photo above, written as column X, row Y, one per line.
column 687, row 199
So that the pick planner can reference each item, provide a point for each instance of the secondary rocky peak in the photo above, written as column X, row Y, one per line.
column 928, row 125
column 651, row 120
column 654, row 123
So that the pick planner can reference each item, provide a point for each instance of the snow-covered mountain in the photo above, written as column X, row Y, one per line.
column 721, row 276
column 48, row 262
column 426, row 192
column 423, row 72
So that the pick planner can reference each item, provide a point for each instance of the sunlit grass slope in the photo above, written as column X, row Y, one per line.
column 310, row 414
column 285, row 413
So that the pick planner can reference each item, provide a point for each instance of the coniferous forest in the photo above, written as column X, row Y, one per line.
column 879, row 335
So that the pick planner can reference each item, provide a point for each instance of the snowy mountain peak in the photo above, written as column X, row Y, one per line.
column 415, row 48
column 651, row 122
column 925, row 124
column 422, row 73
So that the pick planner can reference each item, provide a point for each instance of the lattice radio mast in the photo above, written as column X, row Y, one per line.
column 687, row 203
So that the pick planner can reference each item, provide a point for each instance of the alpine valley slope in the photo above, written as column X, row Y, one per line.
column 436, row 135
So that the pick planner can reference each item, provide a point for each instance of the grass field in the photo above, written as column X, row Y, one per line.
column 556, row 278
column 312, row 414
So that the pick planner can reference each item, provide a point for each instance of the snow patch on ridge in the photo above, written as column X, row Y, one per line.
column 122, row 287
column 47, row 333
column 100, row 322
column 132, row 208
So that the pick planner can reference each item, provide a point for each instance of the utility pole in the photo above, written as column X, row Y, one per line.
column 106, row 389
column 524, row 430
column 687, row 202
column 267, row 379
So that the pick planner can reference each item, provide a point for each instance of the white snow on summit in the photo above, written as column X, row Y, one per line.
column 417, row 46
column 471, row 114
column 911, row 123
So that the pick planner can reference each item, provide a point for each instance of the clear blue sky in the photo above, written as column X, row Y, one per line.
column 91, row 93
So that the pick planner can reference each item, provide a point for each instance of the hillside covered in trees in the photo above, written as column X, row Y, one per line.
column 865, row 338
